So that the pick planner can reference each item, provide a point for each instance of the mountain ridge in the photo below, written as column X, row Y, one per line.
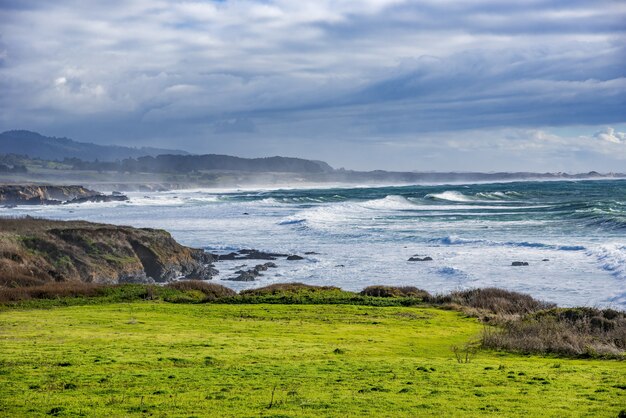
column 36, row 145
column 93, row 156
column 211, row 169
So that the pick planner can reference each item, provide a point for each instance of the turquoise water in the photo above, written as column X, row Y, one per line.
column 572, row 234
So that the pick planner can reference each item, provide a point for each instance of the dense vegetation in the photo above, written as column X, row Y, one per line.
column 189, row 163
column 581, row 332
column 19, row 146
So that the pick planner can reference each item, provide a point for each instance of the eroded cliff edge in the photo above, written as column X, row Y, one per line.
column 32, row 194
column 34, row 251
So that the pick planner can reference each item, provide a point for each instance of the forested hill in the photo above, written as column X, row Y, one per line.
column 189, row 163
column 83, row 155
column 36, row 145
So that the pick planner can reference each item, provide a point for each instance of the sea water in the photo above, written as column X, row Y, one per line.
column 572, row 234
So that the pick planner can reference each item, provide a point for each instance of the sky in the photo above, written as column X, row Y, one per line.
column 444, row 85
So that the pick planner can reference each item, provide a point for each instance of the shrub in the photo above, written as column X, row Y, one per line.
column 18, row 279
column 280, row 288
column 575, row 332
column 51, row 290
column 211, row 291
column 395, row 292
column 494, row 300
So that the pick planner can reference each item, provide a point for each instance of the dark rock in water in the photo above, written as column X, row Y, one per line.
column 244, row 276
column 295, row 257
column 260, row 255
column 98, row 199
column 200, row 272
column 421, row 259
column 263, row 267
column 239, row 267
column 519, row 263
column 230, row 256
column 246, row 213
column 311, row 253
column 248, row 255
column 251, row 274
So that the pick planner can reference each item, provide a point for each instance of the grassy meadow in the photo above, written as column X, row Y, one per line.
column 152, row 358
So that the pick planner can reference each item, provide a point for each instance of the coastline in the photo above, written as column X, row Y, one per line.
column 246, row 352
column 473, row 234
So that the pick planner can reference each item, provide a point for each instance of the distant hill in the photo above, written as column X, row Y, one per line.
column 227, row 162
column 181, row 164
column 50, row 148
column 82, row 155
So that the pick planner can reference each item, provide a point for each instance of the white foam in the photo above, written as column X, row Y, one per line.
column 612, row 258
column 391, row 202
column 498, row 195
column 451, row 196
column 373, row 240
column 269, row 201
column 203, row 199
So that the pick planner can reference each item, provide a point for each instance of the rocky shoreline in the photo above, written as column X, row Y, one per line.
column 252, row 273
column 35, row 251
column 15, row 195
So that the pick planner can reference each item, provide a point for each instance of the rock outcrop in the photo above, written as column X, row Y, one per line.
column 418, row 258
column 99, row 198
column 251, row 255
column 251, row 274
column 51, row 195
column 34, row 251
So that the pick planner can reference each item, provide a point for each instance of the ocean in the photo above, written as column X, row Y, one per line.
column 572, row 234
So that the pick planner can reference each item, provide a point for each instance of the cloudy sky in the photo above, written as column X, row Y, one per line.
column 411, row 85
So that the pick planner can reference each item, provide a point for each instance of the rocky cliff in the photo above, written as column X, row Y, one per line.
column 50, row 195
column 34, row 251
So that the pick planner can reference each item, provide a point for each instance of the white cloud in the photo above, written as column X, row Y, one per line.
column 610, row 135
column 317, row 71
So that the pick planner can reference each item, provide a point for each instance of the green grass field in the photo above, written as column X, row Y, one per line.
column 160, row 359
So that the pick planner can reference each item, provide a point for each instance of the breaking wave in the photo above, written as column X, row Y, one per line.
column 611, row 258
column 456, row 240
column 450, row 196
